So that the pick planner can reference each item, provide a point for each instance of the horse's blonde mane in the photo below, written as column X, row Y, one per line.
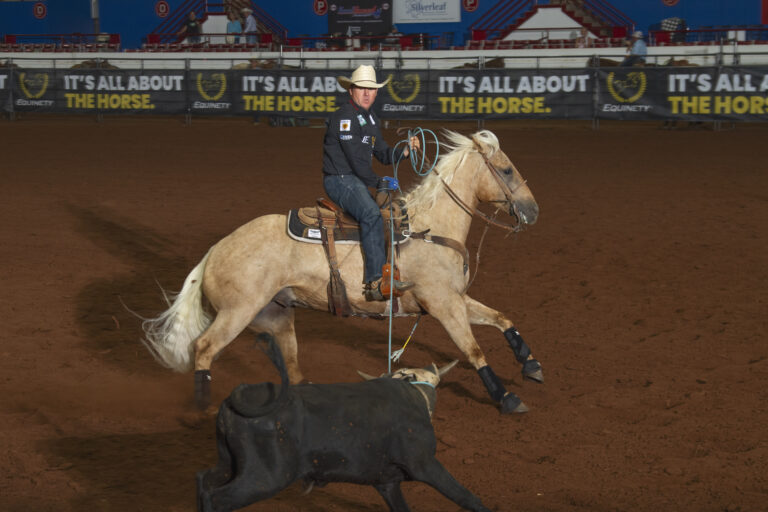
column 454, row 151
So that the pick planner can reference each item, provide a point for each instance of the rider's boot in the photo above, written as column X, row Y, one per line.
column 378, row 290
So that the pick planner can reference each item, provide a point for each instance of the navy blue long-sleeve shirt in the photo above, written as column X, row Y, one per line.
column 352, row 138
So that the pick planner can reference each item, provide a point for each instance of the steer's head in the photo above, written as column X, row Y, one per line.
column 429, row 374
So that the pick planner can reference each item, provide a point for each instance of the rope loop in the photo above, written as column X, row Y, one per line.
column 418, row 163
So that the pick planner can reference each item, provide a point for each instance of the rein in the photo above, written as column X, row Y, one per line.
column 508, row 194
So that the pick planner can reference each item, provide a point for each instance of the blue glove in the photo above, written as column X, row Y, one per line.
column 389, row 182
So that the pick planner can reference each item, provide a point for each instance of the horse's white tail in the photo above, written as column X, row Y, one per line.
column 170, row 337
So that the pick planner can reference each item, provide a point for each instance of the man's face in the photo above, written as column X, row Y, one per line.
column 363, row 96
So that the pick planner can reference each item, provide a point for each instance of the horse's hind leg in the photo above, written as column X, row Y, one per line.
column 480, row 314
column 225, row 328
column 278, row 320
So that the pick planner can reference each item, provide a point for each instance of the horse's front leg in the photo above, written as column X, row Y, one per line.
column 449, row 309
column 480, row 314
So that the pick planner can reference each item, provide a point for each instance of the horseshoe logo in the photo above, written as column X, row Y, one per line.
column 411, row 83
column 628, row 90
column 37, row 81
column 207, row 87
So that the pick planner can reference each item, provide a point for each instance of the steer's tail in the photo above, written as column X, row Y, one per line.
column 170, row 337
column 255, row 400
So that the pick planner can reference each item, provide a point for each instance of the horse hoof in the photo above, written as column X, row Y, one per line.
column 202, row 389
column 532, row 371
column 511, row 404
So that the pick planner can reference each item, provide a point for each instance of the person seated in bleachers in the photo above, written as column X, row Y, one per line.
column 636, row 51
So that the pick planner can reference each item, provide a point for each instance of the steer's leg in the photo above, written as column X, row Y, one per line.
column 393, row 496
column 263, row 468
column 480, row 314
column 278, row 321
column 433, row 473
column 450, row 310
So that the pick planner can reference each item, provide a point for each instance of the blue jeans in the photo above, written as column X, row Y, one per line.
column 353, row 197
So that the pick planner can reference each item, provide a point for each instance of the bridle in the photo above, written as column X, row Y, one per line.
column 508, row 194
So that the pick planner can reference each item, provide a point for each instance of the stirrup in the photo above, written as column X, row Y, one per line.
column 373, row 291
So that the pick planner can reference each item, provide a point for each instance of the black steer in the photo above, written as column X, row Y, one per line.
column 375, row 433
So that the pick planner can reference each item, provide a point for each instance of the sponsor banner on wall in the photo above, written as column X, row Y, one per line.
column 33, row 90
column 287, row 92
column 212, row 92
column 102, row 91
column 5, row 91
column 365, row 17
column 696, row 94
column 511, row 94
column 688, row 94
column 426, row 11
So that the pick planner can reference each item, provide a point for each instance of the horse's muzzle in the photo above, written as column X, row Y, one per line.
column 526, row 211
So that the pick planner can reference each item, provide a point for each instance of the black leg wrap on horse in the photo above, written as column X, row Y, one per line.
column 492, row 383
column 531, row 366
column 517, row 344
column 202, row 388
column 511, row 403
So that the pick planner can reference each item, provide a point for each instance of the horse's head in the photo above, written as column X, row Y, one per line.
column 501, row 183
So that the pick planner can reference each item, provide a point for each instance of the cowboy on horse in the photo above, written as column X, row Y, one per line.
column 352, row 138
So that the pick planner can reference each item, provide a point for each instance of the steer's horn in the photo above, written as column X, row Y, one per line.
column 445, row 369
column 365, row 375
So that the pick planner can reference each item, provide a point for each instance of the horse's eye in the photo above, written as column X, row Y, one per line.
column 507, row 171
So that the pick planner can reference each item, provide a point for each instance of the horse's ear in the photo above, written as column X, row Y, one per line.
column 481, row 146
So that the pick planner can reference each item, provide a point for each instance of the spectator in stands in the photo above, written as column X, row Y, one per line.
column 192, row 28
column 353, row 136
column 234, row 27
column 637, row 50
column 393, row 38
column 584, row 41
column 251, row 27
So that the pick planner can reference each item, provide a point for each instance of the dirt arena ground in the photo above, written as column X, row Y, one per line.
column 642, row 290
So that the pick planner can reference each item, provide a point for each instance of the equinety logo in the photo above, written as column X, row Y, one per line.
column 34, row 87
column 403, row 92
column 626, row 88
column 211, row 87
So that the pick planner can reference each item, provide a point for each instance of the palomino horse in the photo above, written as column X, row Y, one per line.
column 256, row 275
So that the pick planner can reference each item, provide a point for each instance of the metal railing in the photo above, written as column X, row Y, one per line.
column 721, row 55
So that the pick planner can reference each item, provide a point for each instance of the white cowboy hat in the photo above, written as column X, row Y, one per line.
column 363, row 76
column 638, row 33
column 246, row 9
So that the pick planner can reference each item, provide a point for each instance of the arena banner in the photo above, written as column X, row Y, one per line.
column 5, row 91
column 212, row 92
column 100, row 91
column 363, row 17
column 426, row 11
column 511, row 94
column 688, row 94
column 421, row 94
column 736, row 93
column 290, row 93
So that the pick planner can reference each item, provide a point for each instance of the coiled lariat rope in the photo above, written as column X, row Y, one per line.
column 417, row 165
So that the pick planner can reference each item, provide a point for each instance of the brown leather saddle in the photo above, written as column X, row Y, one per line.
column 305, row 224
column 327, row 224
